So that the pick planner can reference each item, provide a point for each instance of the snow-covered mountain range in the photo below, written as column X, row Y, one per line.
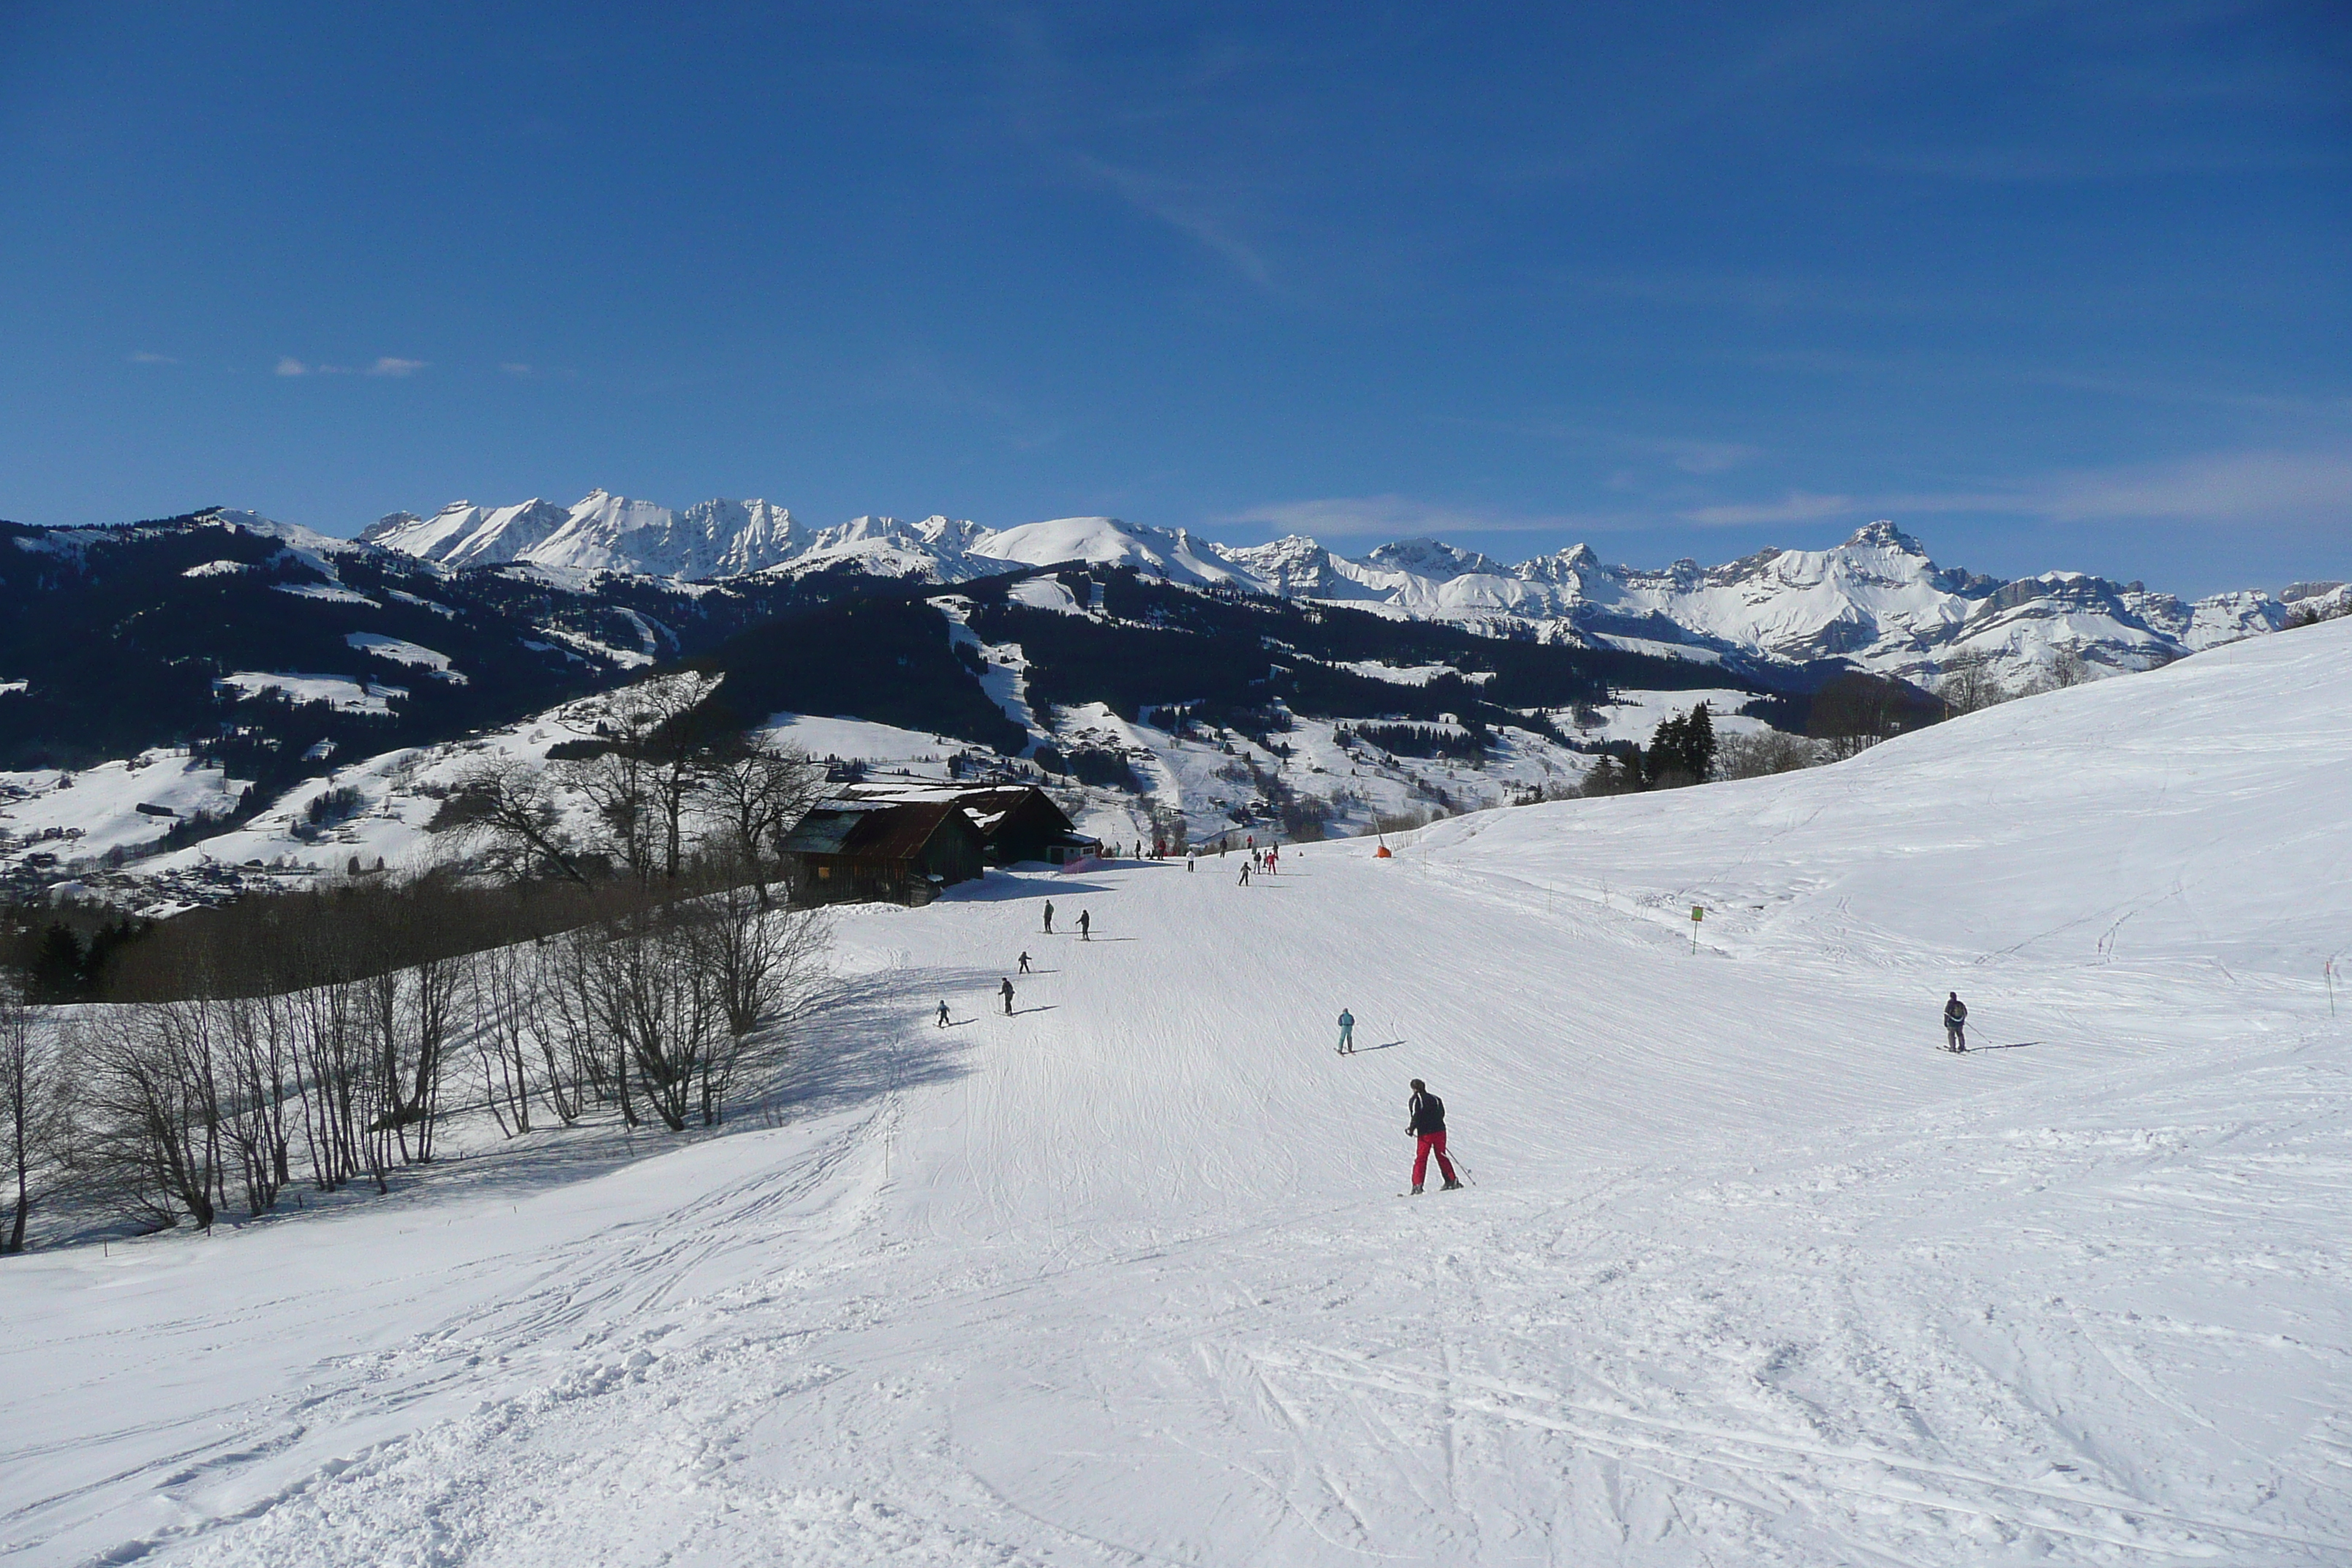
column 1877, row 599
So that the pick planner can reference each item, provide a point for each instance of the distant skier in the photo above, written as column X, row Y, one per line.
column 1956, row 1023
column 1025, row 963
column 1049, row 917
column 1347, row 1033
column 1085, row 926
column 1244, row 881
column 1427, row 1125
column 943, row 1014
column 1004, row 988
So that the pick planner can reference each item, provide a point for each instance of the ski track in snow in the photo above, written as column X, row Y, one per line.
column 1750, row 1271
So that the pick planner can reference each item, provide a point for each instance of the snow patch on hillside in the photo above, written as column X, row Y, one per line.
column 1045, row 593
column 340, row 691
column 402, row 652
column 86, row 812
column 331, row 593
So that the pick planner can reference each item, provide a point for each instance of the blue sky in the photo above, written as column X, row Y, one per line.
column 2052, row 284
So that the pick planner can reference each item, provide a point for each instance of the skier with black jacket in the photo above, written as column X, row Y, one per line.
column 1956, row 1023
column 1426, row 1123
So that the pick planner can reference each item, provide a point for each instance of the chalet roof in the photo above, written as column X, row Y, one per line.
column 824, row 831
column 872, row 829
column 988, row 806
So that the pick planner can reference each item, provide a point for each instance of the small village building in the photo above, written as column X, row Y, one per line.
column 867, row 850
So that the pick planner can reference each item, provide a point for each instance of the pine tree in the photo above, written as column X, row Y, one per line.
column 1682, row 750
column 1699, row 742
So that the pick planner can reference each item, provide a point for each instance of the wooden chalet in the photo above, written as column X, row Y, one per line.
column 899, row 851
column 1016, row 822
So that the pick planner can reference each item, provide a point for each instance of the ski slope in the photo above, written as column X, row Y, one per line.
column 1751, row 1273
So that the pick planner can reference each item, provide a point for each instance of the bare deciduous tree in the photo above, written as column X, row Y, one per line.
column 504, row 996
column 660, row 1011
column 1969, row 683
column 1763, row 752
column 765, row 964
column 155, row 1098
column 509, row 812
column 657, row 738
column 261, row 1065
column 35, row 1101
column 753, row 791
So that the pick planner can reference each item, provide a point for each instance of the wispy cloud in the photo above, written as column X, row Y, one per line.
column 2139, row 390
column 1691, row 455
column 2218, row 488
column 516, row 370
column 2242, row 488
column 1703, row 457
column 1402, row 517
column 1797, row 506
column 919, row 377
column 1179, row 205
column 388, row 365
column 1759, row 294
column 144, row 357
column 2027, row 165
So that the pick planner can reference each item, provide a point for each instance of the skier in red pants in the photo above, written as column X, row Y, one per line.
column 1428, row 1128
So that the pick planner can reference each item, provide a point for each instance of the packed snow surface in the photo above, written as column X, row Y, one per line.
column 1751, row 1271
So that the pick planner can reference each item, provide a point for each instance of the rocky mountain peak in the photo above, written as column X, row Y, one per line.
column 1883, row 535
column 1433, row 558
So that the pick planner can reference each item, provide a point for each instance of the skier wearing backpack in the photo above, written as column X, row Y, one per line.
column 1956, row 1023
column 1427, row 1124
column 1347, row 1033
